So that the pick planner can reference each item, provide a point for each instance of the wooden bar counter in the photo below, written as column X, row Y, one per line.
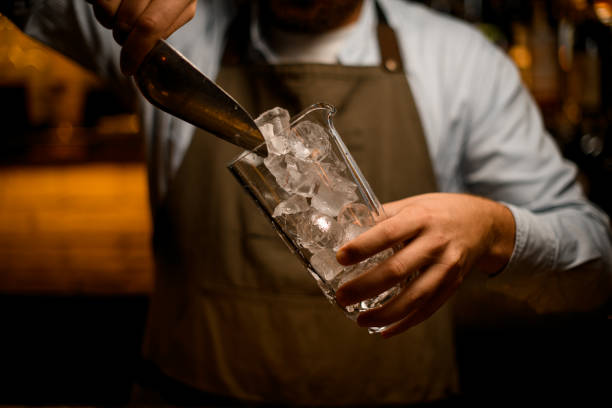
column 75, row 229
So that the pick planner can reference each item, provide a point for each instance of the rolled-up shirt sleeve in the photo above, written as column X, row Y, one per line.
column 509, row 157
column 69, row 26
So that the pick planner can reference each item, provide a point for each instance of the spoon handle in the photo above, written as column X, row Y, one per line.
column 172, row 83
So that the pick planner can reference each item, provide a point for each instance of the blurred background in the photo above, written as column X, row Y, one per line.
column 75, row 263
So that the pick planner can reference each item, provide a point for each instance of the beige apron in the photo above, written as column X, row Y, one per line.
column 234, row 312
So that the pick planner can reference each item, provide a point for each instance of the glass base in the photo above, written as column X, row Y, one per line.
column 376, row 330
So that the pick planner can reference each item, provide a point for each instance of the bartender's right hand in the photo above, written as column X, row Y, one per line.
column 138, row 24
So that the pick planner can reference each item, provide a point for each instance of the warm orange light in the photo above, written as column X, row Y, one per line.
column 118, row 124
column 64, row 132
column 580, row 4
column 572, row 111
column 603, row 10
column 565, row 60
column 75, row 229
column 521, row 56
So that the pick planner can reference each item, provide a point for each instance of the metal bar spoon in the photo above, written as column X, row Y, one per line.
column 172, row 83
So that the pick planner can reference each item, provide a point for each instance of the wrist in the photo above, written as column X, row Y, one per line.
column 501, row 239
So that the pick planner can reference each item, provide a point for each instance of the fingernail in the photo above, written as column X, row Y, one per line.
column 342, row 257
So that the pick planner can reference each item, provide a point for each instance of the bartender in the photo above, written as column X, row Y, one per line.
column 444, row 131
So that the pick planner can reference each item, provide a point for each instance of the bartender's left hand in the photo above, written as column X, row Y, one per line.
column 445, row 236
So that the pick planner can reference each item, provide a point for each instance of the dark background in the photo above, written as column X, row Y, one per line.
column 75, row 267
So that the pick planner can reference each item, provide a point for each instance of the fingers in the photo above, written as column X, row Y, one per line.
column 186, row 15
column 152, row 25
column 105, row 11
column 392, row 208
column 422, row 313
column 413, row 301
column 392, row 271
column 138, row 24
column 386, row 234
column 126, row 17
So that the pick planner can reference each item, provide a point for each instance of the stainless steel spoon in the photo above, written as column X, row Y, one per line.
column 172, row 83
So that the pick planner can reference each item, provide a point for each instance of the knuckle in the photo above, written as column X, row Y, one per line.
column 396, row 269
column 122, row 26
column 423, row 214
column 457, row 259
column 427, row 216
column 148, row 24
column 439, row 240
column 418, row 299
column 389, row 230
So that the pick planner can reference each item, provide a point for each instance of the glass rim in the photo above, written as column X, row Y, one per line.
column 366, row 191
column 314, row 107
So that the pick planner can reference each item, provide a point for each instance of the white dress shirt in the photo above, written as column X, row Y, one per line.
column 484, row 132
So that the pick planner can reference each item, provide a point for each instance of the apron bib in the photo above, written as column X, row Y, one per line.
column 233, row 311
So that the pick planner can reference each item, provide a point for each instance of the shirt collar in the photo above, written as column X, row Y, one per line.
column 360, row 47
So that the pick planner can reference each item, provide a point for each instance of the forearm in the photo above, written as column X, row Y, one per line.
column 561, row 261
column 500, row 240
column 560, row 239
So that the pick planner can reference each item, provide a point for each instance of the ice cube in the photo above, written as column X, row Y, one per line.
column 382, row 297
column 293, row 205
column 348, row 274
column 309, row 141
column 277, row 143
column 377, row 258
column 277, row 166
column 320, row 231
column 351, row 231
column 324, row 262
column 341, row 184
column 354, row 271
column 290, row 223
column 274, row 126
column 331, row 175
column 334, row 164
column 329, row 201
column 378, row 299
column 357, row 214
column 302, row 177
column 293, row 175
column 277, row 117
column 253, row 159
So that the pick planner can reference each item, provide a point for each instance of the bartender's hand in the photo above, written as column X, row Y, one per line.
column 444, row 236
column 138, row 24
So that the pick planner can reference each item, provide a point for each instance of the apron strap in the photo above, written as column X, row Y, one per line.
column 238, row 40
column 390, row 56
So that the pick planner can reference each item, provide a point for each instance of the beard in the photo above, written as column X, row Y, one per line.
column 309, row 16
